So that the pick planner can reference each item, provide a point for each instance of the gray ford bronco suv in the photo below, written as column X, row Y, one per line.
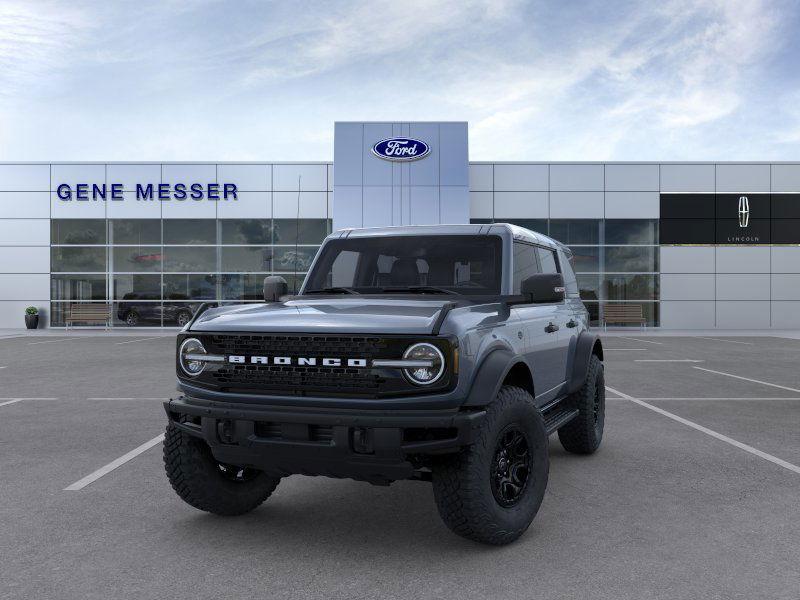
column 445, row 353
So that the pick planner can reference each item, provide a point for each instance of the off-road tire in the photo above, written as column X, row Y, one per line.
column 197, row 478
column 584, row 433
column 462, row 483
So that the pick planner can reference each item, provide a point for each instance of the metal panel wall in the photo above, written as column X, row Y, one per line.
column 430, row 190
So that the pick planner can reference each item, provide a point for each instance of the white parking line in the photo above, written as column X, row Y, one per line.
column 4, row 401
column 4, row 367
column 69, row 339
column 92, row 477
column 700, row 337
column 624, row 349
column 775, row 385
column 140, row 340
column 640, row 340
column 127, row 398
column 680, row 360
column 712, row 433
column 784, row 398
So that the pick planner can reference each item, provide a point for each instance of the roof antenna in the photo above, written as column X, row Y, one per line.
column 297, row 235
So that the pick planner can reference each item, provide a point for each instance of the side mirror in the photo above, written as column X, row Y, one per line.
column 275, row 286
column 544, row 288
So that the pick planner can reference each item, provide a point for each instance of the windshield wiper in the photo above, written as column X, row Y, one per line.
column 333, row 290
column 421, row 289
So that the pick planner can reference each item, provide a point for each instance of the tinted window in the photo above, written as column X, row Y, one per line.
column 127, row 259
column 78, row 259
column 196, row 287
column 246, row 231
column 526, row 263
column 78, row 287
column 547, row 260
column 246, row 259
column 465, row 264
column 631, row 259
column 299, row 231
column 188, row 259
column 137, row 287
column 631, row 231
column 136, row 231
column 190, row 231
column 78, row 231
column 575, row 231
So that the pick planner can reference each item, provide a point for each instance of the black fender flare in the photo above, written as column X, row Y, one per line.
column 588, row 344
column 491, row 374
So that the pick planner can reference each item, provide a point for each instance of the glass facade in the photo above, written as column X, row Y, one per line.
column 615, row 260
column 156, row 272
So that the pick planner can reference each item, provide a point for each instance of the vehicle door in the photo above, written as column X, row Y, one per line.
column 540, row 340
column 562, row 318
column 577, row 317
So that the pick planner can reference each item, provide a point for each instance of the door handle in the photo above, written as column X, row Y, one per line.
column 572, row 323
column 551, row 328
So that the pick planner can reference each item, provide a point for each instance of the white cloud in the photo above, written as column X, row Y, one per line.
column 35, row 41
column 571, row 81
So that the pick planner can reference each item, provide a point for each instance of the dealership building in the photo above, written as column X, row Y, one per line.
column 689, row 245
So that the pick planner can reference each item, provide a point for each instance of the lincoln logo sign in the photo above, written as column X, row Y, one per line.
column 401, row 149
column 744, row 211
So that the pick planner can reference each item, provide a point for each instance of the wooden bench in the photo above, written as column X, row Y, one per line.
column 623, row 314
column 88, row 312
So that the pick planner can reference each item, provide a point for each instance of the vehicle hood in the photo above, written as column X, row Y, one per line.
column 325, row 315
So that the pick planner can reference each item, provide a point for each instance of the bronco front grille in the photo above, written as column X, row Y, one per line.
column 364, row 382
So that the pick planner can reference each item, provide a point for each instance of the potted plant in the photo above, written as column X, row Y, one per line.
column 31, row 317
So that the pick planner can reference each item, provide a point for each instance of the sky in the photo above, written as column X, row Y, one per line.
column 259, row 81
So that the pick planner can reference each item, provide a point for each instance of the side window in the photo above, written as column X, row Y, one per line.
column 343, row 269
column 526, row 263
column 547, row 258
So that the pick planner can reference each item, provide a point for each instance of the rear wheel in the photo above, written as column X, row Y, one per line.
column 131, row 318
column 491, row 491
column 209, row 485
column 584, row 433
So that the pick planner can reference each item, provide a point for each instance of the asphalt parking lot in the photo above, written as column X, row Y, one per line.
column 695, row 492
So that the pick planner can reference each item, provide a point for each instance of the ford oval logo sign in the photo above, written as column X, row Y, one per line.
column 401, row 148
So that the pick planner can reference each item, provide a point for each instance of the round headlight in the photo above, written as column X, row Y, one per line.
column 428, row 374
column 189, row 349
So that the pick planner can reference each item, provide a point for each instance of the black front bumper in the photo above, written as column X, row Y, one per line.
column 373, row 445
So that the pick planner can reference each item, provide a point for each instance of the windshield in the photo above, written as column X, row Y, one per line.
column 424, row 264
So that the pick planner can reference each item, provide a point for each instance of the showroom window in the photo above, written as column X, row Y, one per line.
column 153, row 272
column 615, row 260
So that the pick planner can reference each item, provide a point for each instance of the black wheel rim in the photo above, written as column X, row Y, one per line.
column 132, row 319
column 238, row 474
column 183, row 318
column 511, row 466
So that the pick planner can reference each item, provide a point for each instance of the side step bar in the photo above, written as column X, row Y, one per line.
column 558, row 417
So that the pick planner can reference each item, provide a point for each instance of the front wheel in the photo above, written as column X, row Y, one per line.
column 491, row 491
column 131, row 318
column 203, row 482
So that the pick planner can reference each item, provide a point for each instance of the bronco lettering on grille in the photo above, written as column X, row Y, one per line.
column 297, row 361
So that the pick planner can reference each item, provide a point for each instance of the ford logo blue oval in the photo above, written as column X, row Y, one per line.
column 401, row 148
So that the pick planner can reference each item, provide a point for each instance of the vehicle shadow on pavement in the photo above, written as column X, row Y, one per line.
column 319, row 513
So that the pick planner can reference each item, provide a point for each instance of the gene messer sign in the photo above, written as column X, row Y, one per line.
column 148, row 191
